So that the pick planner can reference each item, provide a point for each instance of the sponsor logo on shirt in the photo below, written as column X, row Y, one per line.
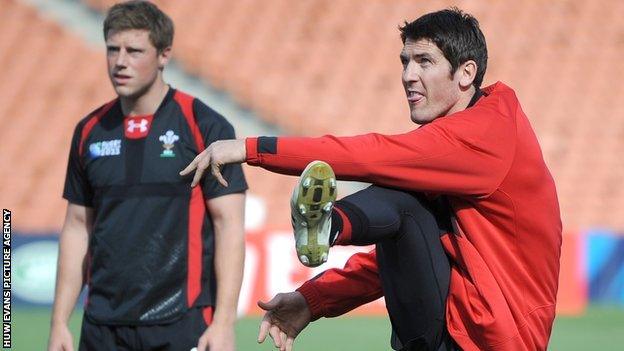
column 105, row 148
column 168, row 139
column 137, row 127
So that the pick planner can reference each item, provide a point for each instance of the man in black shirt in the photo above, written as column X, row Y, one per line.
column 153, row 252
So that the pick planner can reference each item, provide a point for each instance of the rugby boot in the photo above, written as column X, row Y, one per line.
column 311, row 207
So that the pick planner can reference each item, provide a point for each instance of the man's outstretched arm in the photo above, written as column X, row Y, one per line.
column 468, row 153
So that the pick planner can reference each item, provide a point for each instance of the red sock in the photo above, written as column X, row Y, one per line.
column 344, row 237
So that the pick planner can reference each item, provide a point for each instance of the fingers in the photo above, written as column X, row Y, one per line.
column 199, row 164
column 191, row 166
column 63, row 346
column 216, row 172
column 274, row 332
column 198, row 175
column 202, row 344
column 289, row 343
column 264, row 329
column 283, row 338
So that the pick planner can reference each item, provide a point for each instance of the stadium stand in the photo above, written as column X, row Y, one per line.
column 320, row 66
column 51, row 80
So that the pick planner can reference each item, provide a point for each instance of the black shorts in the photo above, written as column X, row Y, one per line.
column 181, row 335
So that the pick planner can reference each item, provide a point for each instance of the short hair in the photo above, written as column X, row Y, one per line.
column 140, row 14
column 456, row 34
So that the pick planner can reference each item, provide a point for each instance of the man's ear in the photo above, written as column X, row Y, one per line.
column 467, row 72
column 163, row 57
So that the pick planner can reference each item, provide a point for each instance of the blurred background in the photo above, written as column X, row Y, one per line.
column 311, row 67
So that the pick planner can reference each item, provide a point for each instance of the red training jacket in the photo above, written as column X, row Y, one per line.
column 506, row 246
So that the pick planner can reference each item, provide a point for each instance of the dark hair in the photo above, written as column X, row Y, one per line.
column 456, row 34
column 139, row 14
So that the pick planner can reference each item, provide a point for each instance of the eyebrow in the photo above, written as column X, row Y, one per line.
column 424, row 55
column 109, row 47
column 405, row 56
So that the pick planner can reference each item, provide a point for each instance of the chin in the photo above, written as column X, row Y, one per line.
column 123, row 91
column 126, row 92
column 421, row 119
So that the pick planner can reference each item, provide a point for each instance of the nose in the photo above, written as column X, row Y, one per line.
column 411, row 72
column 121, row 59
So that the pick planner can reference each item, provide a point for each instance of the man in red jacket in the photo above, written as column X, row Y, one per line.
column 485, row 159
column 409, row 265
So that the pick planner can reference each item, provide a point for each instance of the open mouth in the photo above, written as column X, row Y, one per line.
column 414, row 97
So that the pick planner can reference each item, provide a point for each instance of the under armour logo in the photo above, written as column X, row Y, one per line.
column 137, row 127
column 132, row 125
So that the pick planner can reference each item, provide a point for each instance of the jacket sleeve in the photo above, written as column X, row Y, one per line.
column 337, row 291
column 466, row 153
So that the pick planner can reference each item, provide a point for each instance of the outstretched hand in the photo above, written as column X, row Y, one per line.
column 216, row 155
column 287, row 315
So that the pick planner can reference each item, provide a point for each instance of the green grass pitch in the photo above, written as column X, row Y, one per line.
column 601, row 328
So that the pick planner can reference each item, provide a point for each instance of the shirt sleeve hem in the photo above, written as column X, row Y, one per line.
column 252, row 151
column 76, row 201
column 226, row 191
column 313, row 299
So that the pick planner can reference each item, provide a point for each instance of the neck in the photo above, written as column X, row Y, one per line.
column 145, row 103
column 464, row 100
